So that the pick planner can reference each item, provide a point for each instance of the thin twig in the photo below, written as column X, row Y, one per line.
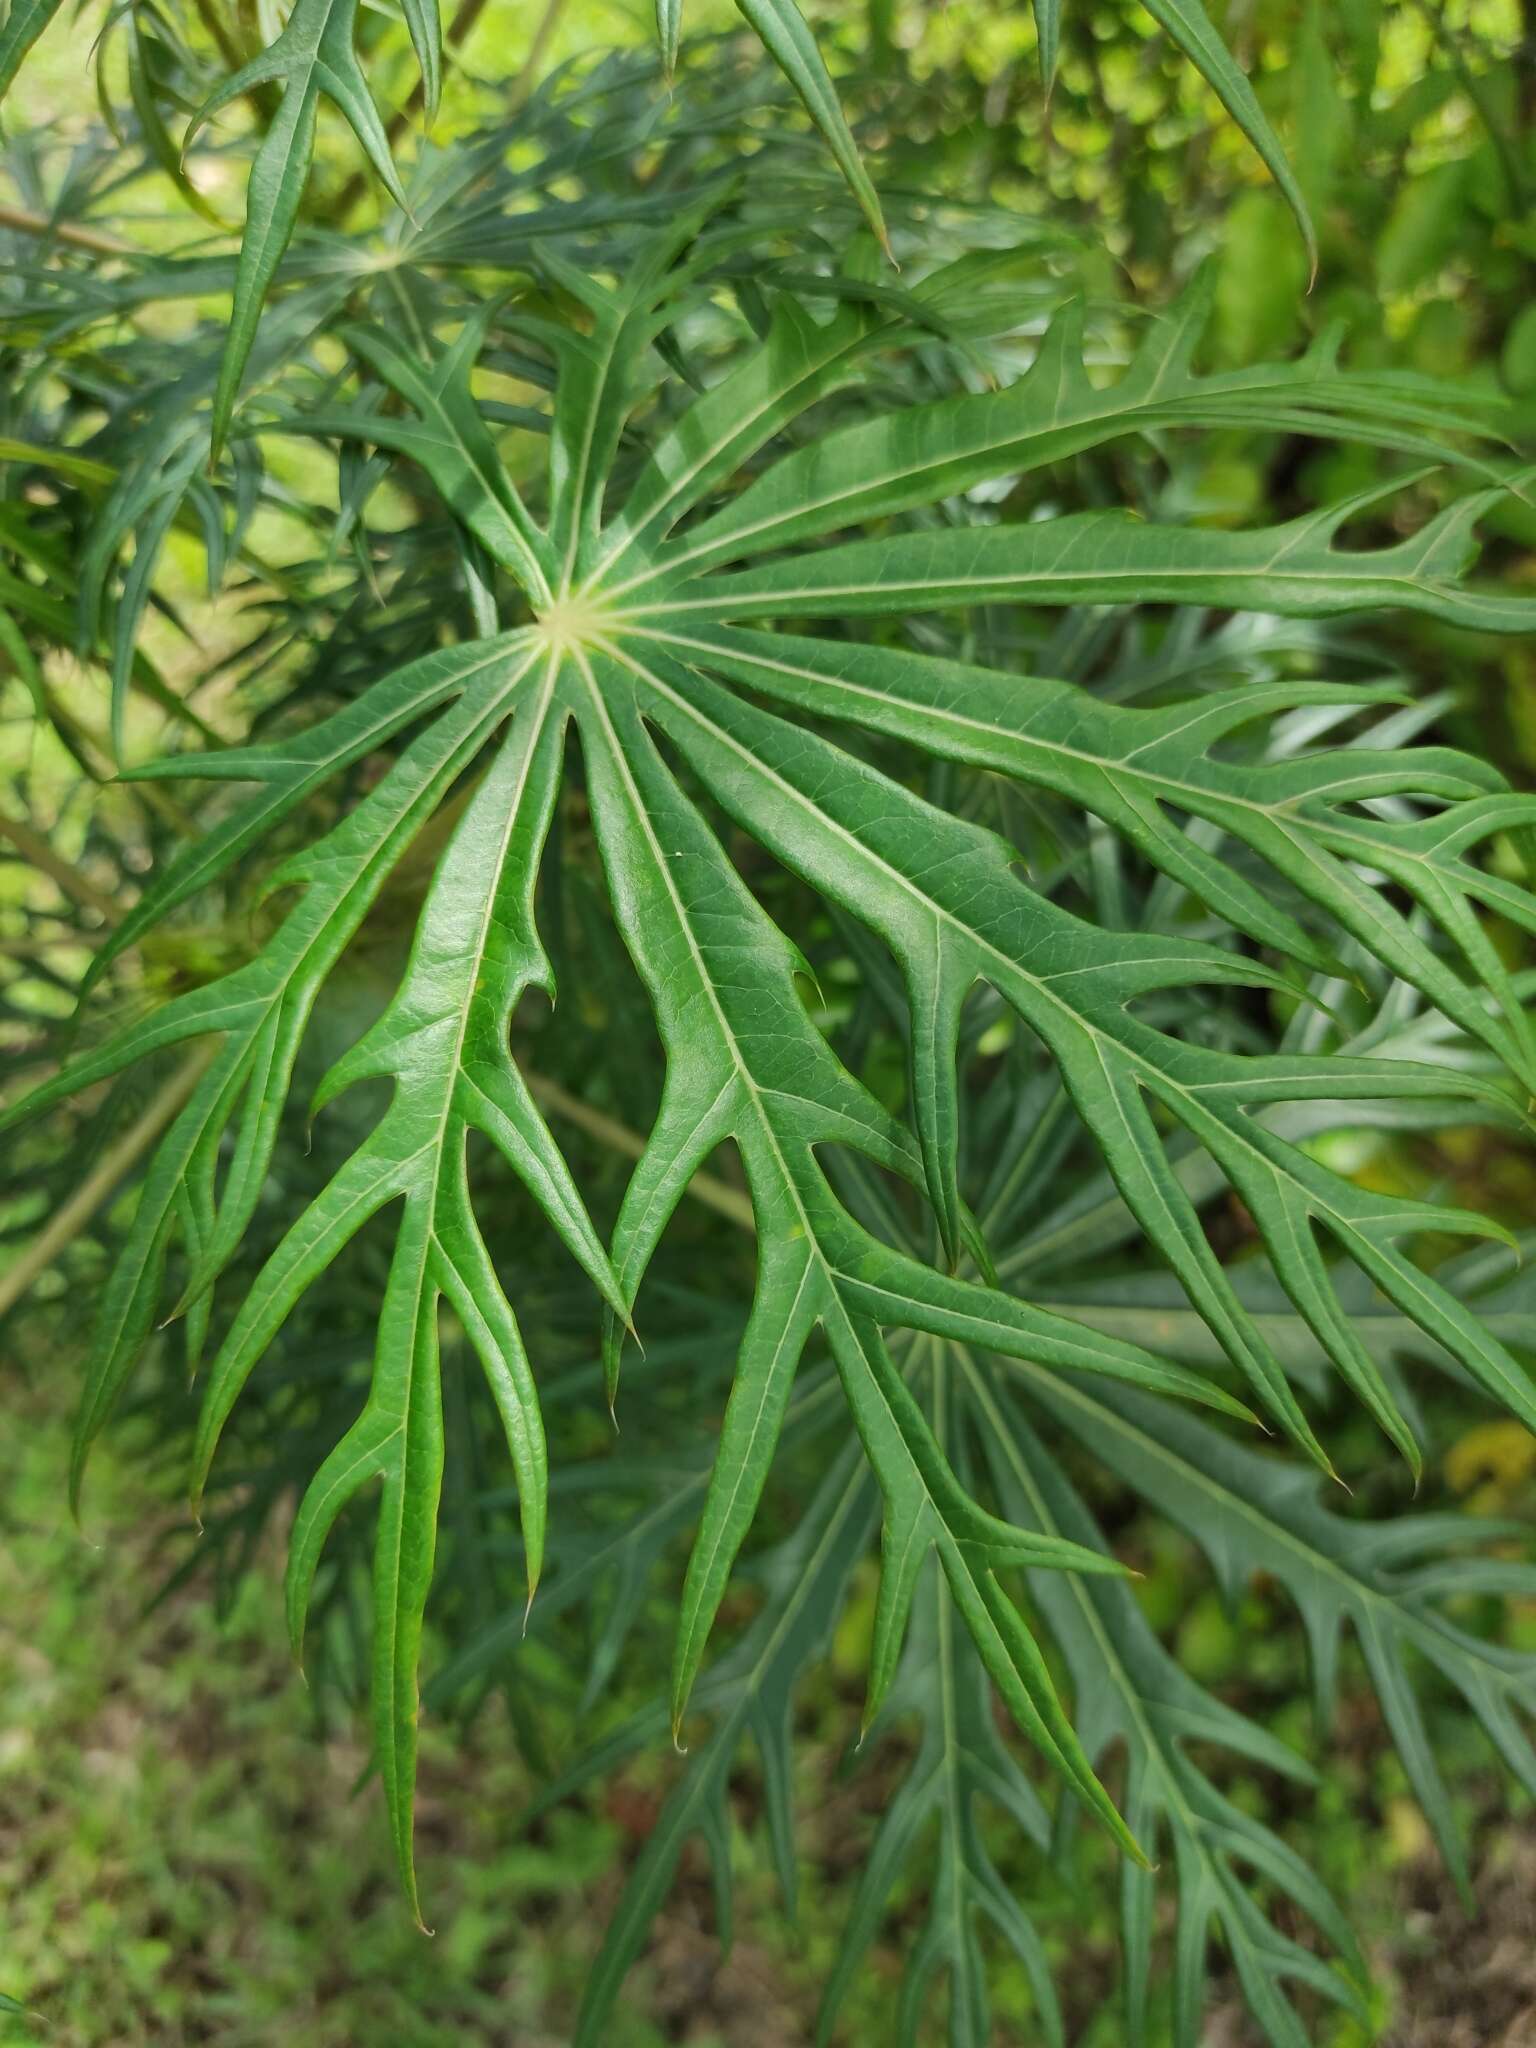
column 34, row 848
column 528, row 77
column 218, row 28
column 26, row 222
column 67, row 1221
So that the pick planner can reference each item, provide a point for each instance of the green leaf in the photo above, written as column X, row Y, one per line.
column 313, row 58
column 78, row 468
column 47, row 606
column 292, row 769
column 442, row 1042
column 610, row 1564
column 747, row 1064
column 145, row 59
column 1131, row 1693
column 1187, row 25
column 669, row 28
column 750, row 1692
column 792, row 47
column 1048, row 31
column 1253, row 1514
column 423, row 19
column 452, row 444
column 1504, row 1303
column 25, row 21
column 683, row 719
column 947, row 904
column 925, row 452
column 1138, row 770
column 1110, row 558
column 962, row 1764
column 144, row 502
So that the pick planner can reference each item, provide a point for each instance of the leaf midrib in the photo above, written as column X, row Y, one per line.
column 1280, row 813
column 929, row 1510
column 1137, row 577
column 971, row 937
column 1093, row 1619
column 1152, row 402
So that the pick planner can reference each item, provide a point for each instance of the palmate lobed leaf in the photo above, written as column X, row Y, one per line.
column 634, row 646
column 1255, row 1517
column 471, row 214
column 747, row 1064
column 1498, row 1283
column 1227, row 1869
column 962, row 1766
column 749, row 1692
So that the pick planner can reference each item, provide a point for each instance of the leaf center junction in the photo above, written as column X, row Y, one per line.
column 573, row 620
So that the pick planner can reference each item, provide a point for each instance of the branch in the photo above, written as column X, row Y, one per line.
column 34, row 848
column 66, row 1223
column 704, row 1187
column 26, row 222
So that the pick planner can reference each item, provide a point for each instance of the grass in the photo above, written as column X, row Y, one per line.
column 181, row 1859
column 190, row 1852
column 186, row 1856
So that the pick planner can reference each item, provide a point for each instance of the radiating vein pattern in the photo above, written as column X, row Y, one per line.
column 644, row 670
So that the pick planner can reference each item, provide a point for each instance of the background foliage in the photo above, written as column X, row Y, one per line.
column 1410, row 130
